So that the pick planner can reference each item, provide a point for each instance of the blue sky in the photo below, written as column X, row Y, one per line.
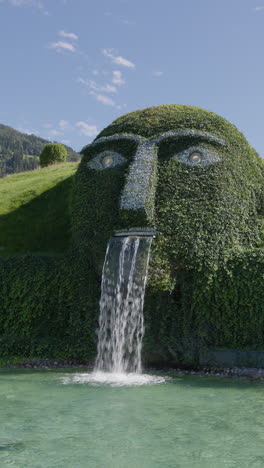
column 70, row 67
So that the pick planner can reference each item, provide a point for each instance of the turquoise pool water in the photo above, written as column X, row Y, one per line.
column 57, row 419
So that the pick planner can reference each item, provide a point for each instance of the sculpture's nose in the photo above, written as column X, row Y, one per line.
column 138, row 196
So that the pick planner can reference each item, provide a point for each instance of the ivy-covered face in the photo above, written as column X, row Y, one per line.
column 186, row 172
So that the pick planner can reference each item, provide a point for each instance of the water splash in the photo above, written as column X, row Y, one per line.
column 112, row 379
column 121, row 321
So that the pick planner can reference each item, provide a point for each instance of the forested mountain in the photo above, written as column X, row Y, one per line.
column 19, row 152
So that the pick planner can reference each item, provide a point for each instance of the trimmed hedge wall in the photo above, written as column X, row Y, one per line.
column 206, row 268
column 49, row 307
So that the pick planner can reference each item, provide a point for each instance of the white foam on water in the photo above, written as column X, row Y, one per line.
column 114, row 379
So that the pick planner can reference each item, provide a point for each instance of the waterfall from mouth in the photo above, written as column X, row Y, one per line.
column 121, row 321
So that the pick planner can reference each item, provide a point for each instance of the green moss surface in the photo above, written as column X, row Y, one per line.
column 158, row 119
column 49, row 307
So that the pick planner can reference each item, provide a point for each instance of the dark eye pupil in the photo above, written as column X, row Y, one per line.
column 195, row 157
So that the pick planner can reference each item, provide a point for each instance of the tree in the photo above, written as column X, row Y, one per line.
column 52, row 153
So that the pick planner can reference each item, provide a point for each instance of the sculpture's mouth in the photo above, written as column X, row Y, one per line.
column 136, row 231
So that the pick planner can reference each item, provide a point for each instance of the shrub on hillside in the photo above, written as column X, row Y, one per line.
column 52, row 153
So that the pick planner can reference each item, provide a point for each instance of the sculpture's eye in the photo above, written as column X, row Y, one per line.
column 197, row 156
column 106, row 160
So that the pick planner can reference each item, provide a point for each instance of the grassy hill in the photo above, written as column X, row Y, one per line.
column 20, row 151
column 34, row 210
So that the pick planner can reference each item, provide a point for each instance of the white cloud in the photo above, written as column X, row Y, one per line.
column 61, row 130
column 97, row 90
column 108, row 88
column 63, row 124
column 128, row 22
column 104, row 99
column 117, row 78
column 28, row 131
column 83, row 81
column 26, row 3
column 259, row 8
column 19, row 2
column 70, row 36
column 68, row 44
column 157, row 73
column 86, row 129
column 47, row 125
column 62, row 45
column 117, row 59
column 22, row 2
column 93, row 86
column 54, row 132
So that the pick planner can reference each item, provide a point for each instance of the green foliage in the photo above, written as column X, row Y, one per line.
column 52, row 153
column 95, row 208
column 48, row 307
column 205, row 216
column 20, row 152
column 201, row 212
column 207, row 262
column 152, row 121
column 228, row 306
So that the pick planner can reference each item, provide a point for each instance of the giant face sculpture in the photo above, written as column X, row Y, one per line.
column 182, row 170
column 193, row 177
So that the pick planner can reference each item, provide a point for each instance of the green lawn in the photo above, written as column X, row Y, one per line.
column 34, row 210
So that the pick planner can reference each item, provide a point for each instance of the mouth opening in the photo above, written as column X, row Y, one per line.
column 136, row 231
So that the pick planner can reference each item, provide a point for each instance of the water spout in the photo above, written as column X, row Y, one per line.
column 121, row 321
